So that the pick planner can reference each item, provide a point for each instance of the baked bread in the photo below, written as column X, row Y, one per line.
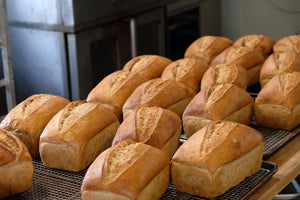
column 207, row 48
column 147, row 66
column 245, row 56
column 278, row 103
column 289, row 43
column 28, row 119
column 225, row 73
column 16, row 168
column 127, row 171
column 217, row 102
column 154, row 126
column 261, row 43
column 76, row 135
column 188, row 71
column 216, row 158
column 279, row 62
column 168, row 94
column 113, row 90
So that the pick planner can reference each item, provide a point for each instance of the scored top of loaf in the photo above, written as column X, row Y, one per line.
column 147, row 66
column 32, row 115
column 217, row 144
column 150, row 125
column 289, row 43
column 12, row 149
column 78, row 122
column 207, row 47
column 116, row 168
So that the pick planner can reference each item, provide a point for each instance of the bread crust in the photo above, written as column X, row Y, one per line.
column 28, row 119
column 288, row 43
column 16, row 168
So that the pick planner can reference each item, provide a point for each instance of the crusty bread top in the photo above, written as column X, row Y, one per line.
column 12, row 149
column 225, row 73
column 218, row 101
column 32, row 115
column 207, row 48
column 78, row 122
column 158, row 92
column 147, row 66
column 115, row 89
column 116, row 168
column 217, row 144
column 261, row 43
column 282, row 89
column 150, row 125
column 289, row 43
column 245, row 56
column 188, row 71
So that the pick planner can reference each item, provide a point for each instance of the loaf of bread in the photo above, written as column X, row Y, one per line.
column 278, row 103
column 154, row 126
column 188, row 71
column 113, row 90
column 261, row 43
column 147, row 66
column 279, row 62
column 289, row 43
column 245, row 56
column 216, row 158
column 217, row 102
column 127, row 171
column 76, row 135
column 168, row 94
column 28, row 119
column 225, row 73
column 16, row 168
column 207, row 48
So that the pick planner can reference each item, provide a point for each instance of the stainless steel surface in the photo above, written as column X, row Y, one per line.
column 291, row 191
column 133, row 37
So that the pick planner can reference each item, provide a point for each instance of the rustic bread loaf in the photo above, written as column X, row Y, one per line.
column 28, row 119
column 278, row 103
column 168, row 94
column 279, row 62
column 217, row 102
column 207, row 48
column 154, row 126
column 288, row 43
column 76, row 135
column 113, row 90
column 245, row 56
column 127, row 171
column 188, row 71
column 147, row 66
column 261, row 43
column 16, row 168
column 216, row 158
column 225, row 73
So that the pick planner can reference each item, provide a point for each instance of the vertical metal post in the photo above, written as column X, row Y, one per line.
column 133, row 37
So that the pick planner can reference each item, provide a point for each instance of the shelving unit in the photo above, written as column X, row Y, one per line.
column 7, row 81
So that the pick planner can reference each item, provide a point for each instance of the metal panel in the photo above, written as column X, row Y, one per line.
column 39, row 62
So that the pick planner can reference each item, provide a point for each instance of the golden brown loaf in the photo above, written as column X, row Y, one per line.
column 279, row 62
column 154, row 126
column 207, row 48
column 216, row 158
column 147, row 66
column 188, row 71
column 28, row 119
column 76, row 135
column 16, row 168
column 225, row 73
column 260, row 43
column 278, row 103
column 245, row 56
column 289, row 43
column 113, row 90
column 217, row 102
column 168, row 94
column 127, row 171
